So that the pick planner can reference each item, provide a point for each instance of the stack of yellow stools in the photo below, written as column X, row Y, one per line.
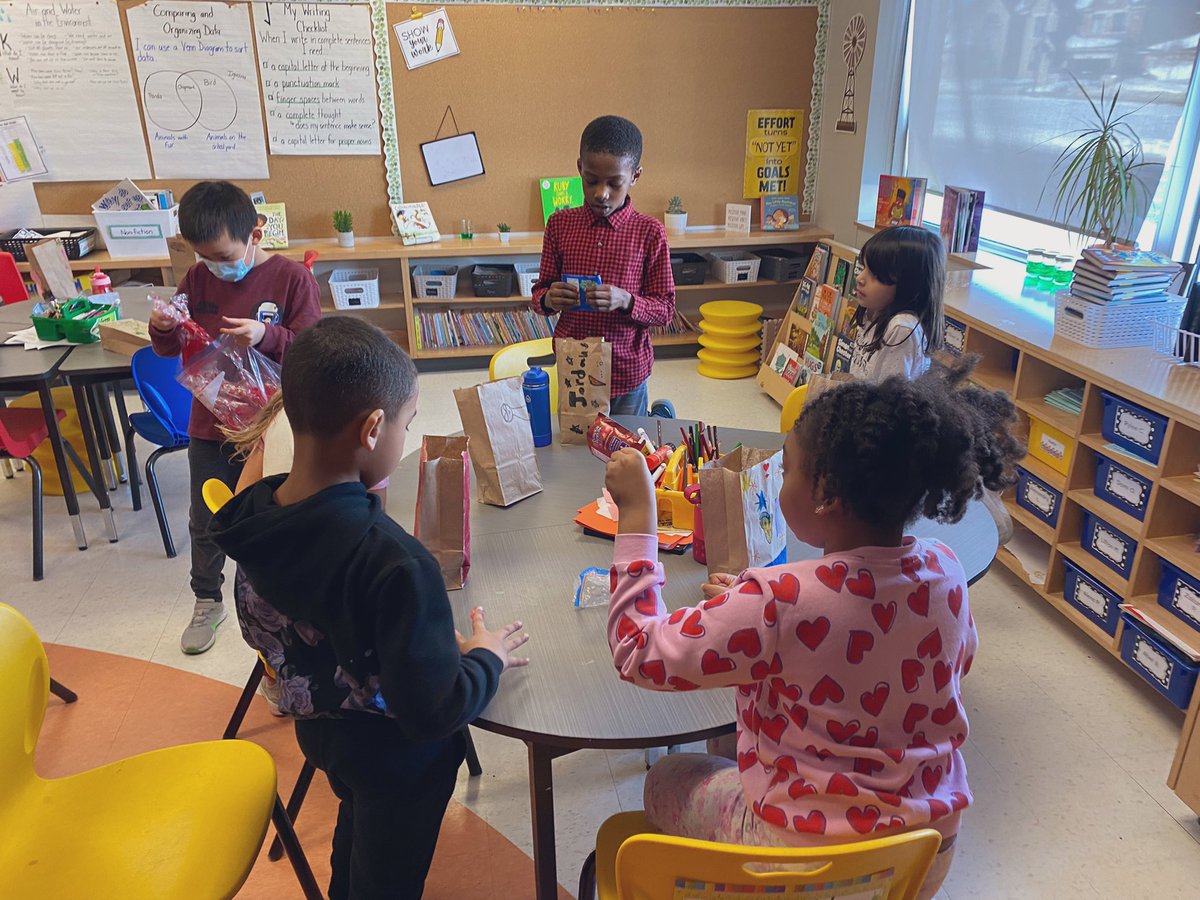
column 730, row 342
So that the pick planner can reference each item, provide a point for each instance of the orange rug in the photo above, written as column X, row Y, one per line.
column 128, row 706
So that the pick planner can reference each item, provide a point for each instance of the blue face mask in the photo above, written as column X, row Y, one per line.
column 234, row 271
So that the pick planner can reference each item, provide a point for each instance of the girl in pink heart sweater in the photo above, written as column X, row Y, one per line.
column 848, row 668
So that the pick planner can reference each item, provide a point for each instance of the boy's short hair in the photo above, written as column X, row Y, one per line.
column 613, row 135
column 211, row 209
column 340, row 369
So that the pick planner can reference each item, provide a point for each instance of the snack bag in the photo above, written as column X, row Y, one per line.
column 233, row 382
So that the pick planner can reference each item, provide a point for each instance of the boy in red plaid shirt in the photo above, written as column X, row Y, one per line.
column 606, row 237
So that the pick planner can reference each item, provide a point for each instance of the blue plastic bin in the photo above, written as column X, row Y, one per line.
column 1038, row 497
column 955, row 339
column 1133, row 428
column 1110, row 545
column 1090, row 597
column 1167, row 669
column 1180, row 593
column 1120, row 487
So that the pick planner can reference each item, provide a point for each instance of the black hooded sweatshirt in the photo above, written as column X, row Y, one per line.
column 374, row 598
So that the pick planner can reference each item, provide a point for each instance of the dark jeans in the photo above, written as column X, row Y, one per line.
column 393, row 796
column 208, row 459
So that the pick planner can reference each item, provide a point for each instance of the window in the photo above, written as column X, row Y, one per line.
column 990, row 98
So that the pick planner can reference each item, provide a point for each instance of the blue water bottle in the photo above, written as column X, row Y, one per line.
column 536, row 384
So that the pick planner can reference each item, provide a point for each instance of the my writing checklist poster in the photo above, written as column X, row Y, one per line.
column 196, row 74
column 65, row 69
column 318, row 78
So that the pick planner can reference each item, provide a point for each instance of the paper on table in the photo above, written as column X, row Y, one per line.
column 29, row 339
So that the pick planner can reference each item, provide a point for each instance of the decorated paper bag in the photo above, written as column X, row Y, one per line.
column 743, row 525
column 584, row 377
column 494, row 417
column 443, row 520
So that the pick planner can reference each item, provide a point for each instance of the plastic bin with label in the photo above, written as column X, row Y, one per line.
column 1168, row 670
column 1119, row 487
column 137, row 233
column 1180, row 593
column 1133, row 428
column 1110, row 545
column 1091, row 598
column 1038, row 497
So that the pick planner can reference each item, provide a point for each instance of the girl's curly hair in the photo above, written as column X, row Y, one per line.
column 898, row 450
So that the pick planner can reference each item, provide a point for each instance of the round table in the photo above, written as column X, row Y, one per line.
column 525, row 564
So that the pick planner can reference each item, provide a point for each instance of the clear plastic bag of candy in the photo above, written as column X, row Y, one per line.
column 593, row 588
column 193, row 337
column 232, row 381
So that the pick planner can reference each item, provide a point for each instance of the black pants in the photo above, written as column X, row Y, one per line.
column 393, row 796
column 208, row 459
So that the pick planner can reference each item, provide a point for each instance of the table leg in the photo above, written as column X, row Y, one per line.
column 541, row 802
column 110, row 424
column 89, row 439
column 96, row 413
column 130, row 453
column 60, row 461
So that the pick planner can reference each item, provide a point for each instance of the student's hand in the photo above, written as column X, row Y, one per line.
column 717, row 584
column 500, row 643
column 160, row 321
column 628, row 481
column 562, row 296
column 609, row 297
column 247, row 331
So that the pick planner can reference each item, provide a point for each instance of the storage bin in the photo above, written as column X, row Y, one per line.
column 1038, row 497
column 955, row 339
column 1133, row 428
column 355, row 288
column 1090, row 597
column 492, row 281
column 1110, row 545
column 1121, row 488
column 435, row 282
column 72, row 326
column 76, row 248
column 138, row 232
column 688, row 268
column 1107, row 325
column 1180, row 593
column 1170, row 672
column 734, row 266
column 1051, row 446
column 780, row 264
column 527, row 276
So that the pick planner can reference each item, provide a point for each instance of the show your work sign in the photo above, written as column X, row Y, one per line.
column 773, row 138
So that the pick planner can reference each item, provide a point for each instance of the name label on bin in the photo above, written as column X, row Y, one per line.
column 1055, row 448
column 1093, row 599
column 134, row 232
column 1128, row 489
column 1133, row 427
column 1040, row 498
column 1187, row 600
column 1110, row 546
column 1158, row 664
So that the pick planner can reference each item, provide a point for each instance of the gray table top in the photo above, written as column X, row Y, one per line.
column 525, row 563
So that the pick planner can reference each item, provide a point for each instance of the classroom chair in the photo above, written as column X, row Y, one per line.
column 182, row 822
column 791, row 408
column 12, row 286
column 168, row 408
column 632, row 861
column 514, row 360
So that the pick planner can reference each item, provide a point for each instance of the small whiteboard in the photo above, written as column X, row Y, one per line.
column 453, row 158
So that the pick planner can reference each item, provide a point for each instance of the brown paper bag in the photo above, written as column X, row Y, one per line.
column 443, row 520
column 743, row 524
column 584, row 385
column 819, row 384
column 494, row 417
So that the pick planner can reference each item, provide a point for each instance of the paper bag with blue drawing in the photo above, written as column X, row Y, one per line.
column 584, row 385
column 743, row 525
column 494, row 417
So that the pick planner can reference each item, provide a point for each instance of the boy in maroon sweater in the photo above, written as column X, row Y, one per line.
column 237, row 288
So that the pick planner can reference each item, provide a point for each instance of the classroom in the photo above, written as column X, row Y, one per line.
column 683, row 449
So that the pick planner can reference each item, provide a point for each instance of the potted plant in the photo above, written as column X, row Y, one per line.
column 1097, row 189
column 505, row 232
column 676, row 217
column 343, row 224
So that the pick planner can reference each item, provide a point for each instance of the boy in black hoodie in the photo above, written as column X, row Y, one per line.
column 354, row 611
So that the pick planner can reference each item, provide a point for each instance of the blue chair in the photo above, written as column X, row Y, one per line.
column 168, row 408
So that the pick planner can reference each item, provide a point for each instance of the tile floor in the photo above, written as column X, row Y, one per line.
column 1068, row 753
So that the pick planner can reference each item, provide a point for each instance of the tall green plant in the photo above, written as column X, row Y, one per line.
column 1098, row 186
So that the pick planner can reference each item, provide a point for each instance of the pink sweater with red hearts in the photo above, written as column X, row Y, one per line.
column 848, row 670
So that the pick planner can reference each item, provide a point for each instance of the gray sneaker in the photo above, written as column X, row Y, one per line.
column 1004, row 522
column 202, row 632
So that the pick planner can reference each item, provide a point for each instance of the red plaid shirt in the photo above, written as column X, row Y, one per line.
column 627, row 250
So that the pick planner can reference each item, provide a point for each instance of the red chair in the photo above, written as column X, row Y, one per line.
column 12, row 286
column 21, row 431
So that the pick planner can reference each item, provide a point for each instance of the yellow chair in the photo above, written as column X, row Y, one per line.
column 791, row 408
column 635, row 863
column 216, row 494
column 183, row 822
column 514, row 360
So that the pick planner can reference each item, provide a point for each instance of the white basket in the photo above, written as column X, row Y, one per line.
column 1108, row 325
column 1182, row 346
column 435, row 282
column 527, row 276
column 354, row 288
column 734, row 266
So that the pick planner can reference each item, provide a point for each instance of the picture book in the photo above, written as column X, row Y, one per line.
column 818, row 337
column 796, row 335
column 780, row 212
column 901, row 201
column 818, row 264
column 852, row 284
column 841, row 274
column 1114, row 259
column 962, row 212
column 560, row 193
column 803, row 301
column 786, row 363
column 414, row 223
column 814, row 365
column 847, row 328
column 272, row 219
column 843, row 353
column 1085, row 268
column 826, row 301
